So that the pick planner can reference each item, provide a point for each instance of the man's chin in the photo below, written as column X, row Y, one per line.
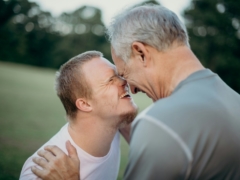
column 127, row 118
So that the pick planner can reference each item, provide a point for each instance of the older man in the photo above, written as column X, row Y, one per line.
column 97, row 104
column 192, row 131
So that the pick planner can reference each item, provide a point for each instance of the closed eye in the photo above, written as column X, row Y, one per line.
column 120, row 75
column 112, row 78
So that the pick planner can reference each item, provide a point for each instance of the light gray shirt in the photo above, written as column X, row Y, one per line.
column 192, row 134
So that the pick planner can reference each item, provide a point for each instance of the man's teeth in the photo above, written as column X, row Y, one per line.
column 125, row 94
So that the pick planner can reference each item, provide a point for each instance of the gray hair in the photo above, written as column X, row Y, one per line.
column 153, row 25
column 71, row 83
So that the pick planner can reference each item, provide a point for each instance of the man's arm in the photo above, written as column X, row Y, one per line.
column 56, row 165
column 155, row 154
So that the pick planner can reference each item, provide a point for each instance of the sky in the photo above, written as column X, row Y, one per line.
column 109, row 7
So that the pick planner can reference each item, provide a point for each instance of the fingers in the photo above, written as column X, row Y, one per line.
column 46, row 154
column 40, row 161
column 49, row 170
column 55, row 150
column 72, row 152
column 37, row 171
column 59, row 165
column 45, row 174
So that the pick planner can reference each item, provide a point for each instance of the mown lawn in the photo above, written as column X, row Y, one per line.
column 31, row 113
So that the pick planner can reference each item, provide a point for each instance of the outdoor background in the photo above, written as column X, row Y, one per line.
column 34, row 43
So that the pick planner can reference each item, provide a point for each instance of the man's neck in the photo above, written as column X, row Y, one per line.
column 92, row 135
column 180, row 62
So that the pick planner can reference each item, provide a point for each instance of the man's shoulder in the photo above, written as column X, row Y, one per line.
column 58, row 139
column 155, row 144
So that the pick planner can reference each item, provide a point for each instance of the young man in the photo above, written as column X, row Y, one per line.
column 192, row 131
column 97, row 104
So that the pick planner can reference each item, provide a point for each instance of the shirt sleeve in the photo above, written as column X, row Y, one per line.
column 154, row 154
column 26, row 173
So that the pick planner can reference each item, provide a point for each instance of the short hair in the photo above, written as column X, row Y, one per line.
column 71, row 81
column 153, row 25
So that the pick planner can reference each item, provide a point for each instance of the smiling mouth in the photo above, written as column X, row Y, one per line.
column 125, row 95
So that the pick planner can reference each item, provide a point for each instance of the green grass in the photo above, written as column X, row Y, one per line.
column 31, row 113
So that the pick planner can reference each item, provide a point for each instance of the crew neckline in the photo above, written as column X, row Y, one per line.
column 201, row 74
column 86, row 154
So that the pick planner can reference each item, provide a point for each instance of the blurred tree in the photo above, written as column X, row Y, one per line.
column 214, row 30
column 82, row 30
column 7, row 10
column 31, row 36
column 25, row 37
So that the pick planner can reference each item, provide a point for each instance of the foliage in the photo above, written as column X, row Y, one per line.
column 214, row 30
column 31, row 36
column 87, row 33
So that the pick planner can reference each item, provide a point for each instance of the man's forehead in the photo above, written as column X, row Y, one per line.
column 120, row 65
column 98, row 65
column 118, row 71
column 100, row 71
column 113, row 66
column 106, row 64
column 114, row 55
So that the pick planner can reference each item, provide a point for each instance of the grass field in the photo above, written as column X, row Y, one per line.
column 31, row 113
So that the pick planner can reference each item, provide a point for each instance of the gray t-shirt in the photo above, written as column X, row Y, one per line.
column 192, row 134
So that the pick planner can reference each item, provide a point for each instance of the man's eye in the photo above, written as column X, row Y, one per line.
column 111, row 80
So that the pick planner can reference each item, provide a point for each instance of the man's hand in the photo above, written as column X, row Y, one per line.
column 56, row 165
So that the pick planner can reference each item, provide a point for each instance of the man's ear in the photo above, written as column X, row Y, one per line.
column 83, row 105
column 140, row 51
